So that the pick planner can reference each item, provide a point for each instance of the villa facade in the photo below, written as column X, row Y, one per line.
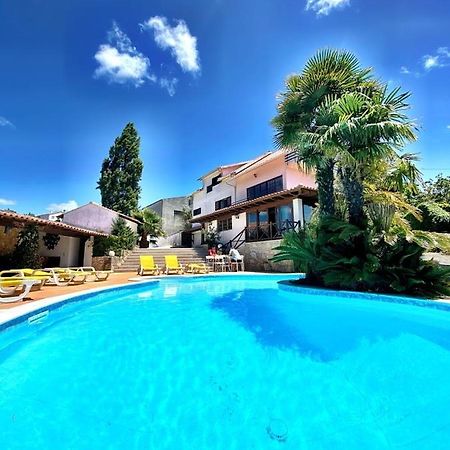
column 253, row 201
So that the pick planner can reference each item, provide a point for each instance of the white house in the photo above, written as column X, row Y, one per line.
column 93, row 217
column 254, row 201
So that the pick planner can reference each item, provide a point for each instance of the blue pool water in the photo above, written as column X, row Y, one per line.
column 227, row 363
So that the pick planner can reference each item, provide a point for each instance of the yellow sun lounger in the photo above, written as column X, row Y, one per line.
column 15, row 290
column 172, row 264
column 197, row 268
column 147, row 264
column 25, row 274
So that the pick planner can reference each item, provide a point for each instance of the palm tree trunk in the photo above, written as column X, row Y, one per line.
column 354, row 196
column 143, row 243
column 325, row 188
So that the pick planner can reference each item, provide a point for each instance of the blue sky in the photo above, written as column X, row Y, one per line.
column 199, row 79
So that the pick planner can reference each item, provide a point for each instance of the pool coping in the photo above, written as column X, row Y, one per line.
column 439, row 303
column 21, row 312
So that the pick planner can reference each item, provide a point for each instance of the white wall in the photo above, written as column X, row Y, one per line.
column 197, row 238
column 88, row 247
column 207, row 201
column 67, row 250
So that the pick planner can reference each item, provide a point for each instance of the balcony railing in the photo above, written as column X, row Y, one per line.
column 269, row 231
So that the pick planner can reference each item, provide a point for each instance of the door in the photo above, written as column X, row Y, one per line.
column 285, row 218
column 263, row 225
column 252, row 226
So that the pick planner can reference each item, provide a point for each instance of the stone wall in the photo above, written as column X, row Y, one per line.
column 442, row 259
column 258, row 254
column 8, row 240
column 101, row 262
column 109, row 262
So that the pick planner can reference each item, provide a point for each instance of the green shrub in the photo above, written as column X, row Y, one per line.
column 122, row 238
column 26, row 253
column 339, row 255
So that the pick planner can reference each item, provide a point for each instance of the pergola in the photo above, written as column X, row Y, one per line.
column 245, row 205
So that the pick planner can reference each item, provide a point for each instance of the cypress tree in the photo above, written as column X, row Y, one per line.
column 121, row 173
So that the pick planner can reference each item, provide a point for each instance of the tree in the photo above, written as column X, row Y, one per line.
column 122, row 238
column 368, row 125
column 329, row 74
column 433, row 201
column 212, row 237
column 121, row 173
column 151, row 225
column 26, row 253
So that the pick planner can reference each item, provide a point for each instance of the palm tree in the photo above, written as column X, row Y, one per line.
column 328, row 74
column 369, row 126
column 151, row 225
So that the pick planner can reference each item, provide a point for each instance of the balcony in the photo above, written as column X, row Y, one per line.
column 270, row 231
column 243, row 205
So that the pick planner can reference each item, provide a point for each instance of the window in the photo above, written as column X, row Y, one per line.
column 223, row 203
column 267, row 187
column 307, row 213
column 197, row 211
column 224, row 224
column 214, row 182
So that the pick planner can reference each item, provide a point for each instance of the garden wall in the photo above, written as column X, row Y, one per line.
column 8, row 240
column 257, row 255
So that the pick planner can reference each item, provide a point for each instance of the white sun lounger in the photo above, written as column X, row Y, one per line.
column 15, row 291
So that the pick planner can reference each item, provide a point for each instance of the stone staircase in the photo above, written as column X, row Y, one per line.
column 185, row 255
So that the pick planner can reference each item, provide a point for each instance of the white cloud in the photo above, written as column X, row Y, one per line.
column 323, row 7
column 404, row 70
column 6, row 202
column 440, row 59
column 178, row 39
column 120, row 62
column 444, row 51
column 169, row 84
column 65, row 206
column 448, row 127
column 430, row 61
column 4, row 122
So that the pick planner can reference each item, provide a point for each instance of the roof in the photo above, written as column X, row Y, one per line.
column 124, row 216
column 246, row 165
column 239, row 207
column 186, row 197
column 257, row 162
column 226, row 166
column 13, row 219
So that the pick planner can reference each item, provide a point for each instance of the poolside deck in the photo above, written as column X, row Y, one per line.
column 53, row 291
column 117, row 278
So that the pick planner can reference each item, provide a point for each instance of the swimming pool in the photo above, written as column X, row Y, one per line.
column 237, row 362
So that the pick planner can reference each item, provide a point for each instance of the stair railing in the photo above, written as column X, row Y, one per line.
column 236, row 242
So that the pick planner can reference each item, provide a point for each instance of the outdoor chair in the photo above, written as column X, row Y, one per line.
column 147, row 264
column 172, row 265
column 99, row 275
column 15, row 290
column 237, row 266
column 39, row 277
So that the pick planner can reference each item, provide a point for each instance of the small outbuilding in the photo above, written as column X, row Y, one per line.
column 71, row 245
